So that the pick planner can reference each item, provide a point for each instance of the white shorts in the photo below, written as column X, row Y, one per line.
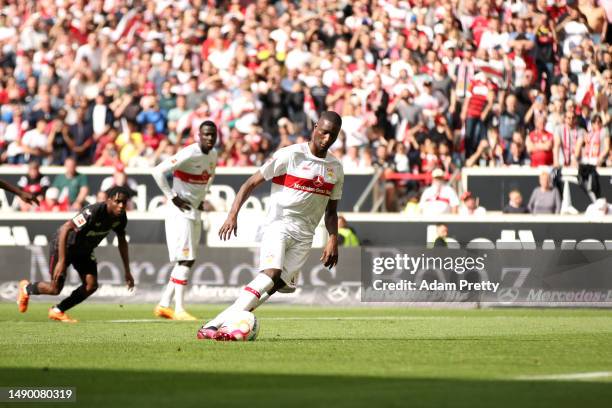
column 279, row 250
column 182, row 237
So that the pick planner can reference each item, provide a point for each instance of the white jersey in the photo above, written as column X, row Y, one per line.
column 438, row 200
column 192, row 173
column 302, row 185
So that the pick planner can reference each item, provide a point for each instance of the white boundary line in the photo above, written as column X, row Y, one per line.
column 296, row 318
column 569, row 376
column 333, row 318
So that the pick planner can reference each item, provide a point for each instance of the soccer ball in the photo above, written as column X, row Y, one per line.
column 240, row 326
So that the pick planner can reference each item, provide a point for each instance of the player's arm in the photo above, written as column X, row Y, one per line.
column 209, row 183
column 330, row 253
column 159, row 175
column 62, row 240
column 24, row 195
column 125, row 258
column 274, row 167
column 231, row 223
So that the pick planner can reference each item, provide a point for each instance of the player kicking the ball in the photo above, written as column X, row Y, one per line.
column 74, row 245
column 193, row 169
column 306, row 183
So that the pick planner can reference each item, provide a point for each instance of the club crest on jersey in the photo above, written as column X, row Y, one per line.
column 329, row 173
column 268, row 259
column 318, row 181
column 186, row 251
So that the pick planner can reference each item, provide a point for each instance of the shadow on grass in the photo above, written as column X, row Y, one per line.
column 112, row 388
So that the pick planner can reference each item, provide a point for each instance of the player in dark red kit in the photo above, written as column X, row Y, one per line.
column 74, row 245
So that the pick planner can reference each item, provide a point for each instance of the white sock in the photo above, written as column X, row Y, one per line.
column 261, row 300
column 167, row 294
column 180, row 273
column 248, row 299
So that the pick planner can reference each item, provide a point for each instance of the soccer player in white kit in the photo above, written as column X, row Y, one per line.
column 193, row 169
column 306, row 183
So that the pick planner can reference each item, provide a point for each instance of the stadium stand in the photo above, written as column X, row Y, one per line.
column 421, row 85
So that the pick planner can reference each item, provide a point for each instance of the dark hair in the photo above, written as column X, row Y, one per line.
column 332, row 117
column 115, row 190
column 207, row 123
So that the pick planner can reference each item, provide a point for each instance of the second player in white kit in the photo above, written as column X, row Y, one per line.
column 306, row 184
column 192, row 169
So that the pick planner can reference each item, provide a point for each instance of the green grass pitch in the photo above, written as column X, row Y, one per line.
column 315, row 357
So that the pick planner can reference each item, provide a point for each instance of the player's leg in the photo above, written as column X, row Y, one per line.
column 53, row 287
column 192, row 241
column 248, row 299
column 271, row 259
column 180, row 277
column 87, row 269
column 296, row 254
column 175, row 229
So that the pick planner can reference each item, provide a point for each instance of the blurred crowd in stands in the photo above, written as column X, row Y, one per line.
column 422, row 85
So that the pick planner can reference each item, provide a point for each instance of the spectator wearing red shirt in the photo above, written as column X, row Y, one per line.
column 540, row 144
column 480, row 23
column 480, row 97
column 34, row 183
column 51, row 202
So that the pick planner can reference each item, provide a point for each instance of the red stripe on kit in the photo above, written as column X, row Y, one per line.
column 178, row 281
column 253, row 291
column 315, row 186
column 192, row 178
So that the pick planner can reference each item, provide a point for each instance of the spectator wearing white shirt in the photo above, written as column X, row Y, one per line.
column 471, row 205
column 34, row 143
column 439, row 198
column 102, row 117
column 599, row 208
column 350, row 161
column 354, row 124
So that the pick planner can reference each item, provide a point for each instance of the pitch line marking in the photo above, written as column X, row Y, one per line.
column 295, row 318
column 570, row 376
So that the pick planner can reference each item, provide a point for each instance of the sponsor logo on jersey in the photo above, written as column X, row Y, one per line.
column 96, row 233
column 318, row 185
column 318, row 181
column 192, row 178
column 79, row 220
